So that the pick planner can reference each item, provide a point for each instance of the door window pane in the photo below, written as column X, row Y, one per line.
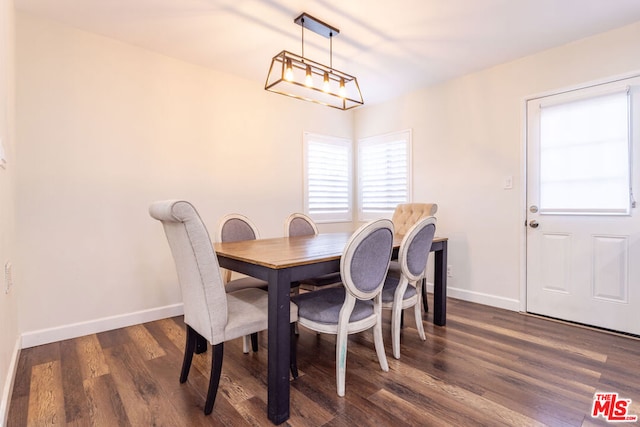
column 584, row 156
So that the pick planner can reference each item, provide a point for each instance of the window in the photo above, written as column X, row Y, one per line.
column 328, row 178
column 384, row 173
column 585, row 154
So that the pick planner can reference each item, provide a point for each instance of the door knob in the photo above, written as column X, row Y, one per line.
column 533, row 223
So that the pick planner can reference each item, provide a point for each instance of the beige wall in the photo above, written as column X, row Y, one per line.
column 9, row 332
column 468, row 136
column 104, row 129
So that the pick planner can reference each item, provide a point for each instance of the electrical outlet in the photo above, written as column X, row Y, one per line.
column 8, row 277
column 449, row 271
column 3, row 160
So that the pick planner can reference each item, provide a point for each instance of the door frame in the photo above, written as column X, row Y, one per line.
column 524, row 166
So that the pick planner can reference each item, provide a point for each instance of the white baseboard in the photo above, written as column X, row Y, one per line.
column 481, row 298
column 74, row 330
column 7, row 390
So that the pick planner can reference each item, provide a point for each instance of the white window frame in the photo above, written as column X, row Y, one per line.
column 405, row 136
column 320, row 216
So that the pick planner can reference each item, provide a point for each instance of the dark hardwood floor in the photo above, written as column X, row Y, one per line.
column 487, row 367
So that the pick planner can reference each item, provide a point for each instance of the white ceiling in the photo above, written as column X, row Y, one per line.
column 391, row 46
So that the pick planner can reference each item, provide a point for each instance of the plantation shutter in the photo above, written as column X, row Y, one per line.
column 328, row 178
column 383, row 173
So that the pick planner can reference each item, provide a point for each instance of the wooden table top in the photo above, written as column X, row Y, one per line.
column 285, row 252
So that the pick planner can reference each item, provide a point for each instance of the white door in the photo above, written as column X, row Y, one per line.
column 583, row 228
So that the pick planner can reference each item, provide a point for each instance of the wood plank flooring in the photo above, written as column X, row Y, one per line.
column 487, row 367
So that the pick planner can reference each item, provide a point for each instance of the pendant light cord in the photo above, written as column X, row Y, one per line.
column 303, row 38
column 331, row 50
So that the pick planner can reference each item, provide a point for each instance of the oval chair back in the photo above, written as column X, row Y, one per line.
column 415, row 248
column 235, row 227
column 299, row 224
column 366, row 258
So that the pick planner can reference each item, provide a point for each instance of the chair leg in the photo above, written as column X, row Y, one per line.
column 396, row 324
column 419, row 325
column 425, row 303
column 214, row 379
column 293, row 354
column 245, row 344
column 341, row 360
column 190, row 345
column 201, row 344
column 295, row 290
column 379, row 343
column 254, row 342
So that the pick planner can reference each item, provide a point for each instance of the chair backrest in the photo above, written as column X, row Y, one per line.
column 203, row 294
column 415, row 247
column 407, row 214
column 365, row 259
column 299, row 224
column 235, row 227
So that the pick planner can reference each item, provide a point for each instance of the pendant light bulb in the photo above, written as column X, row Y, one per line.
column 326, row 87
column 343, row 90
column 308, row 81
column 288, row 72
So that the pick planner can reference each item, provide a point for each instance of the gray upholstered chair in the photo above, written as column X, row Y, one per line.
column 299, row 224
column 405, row 291
column 234, row 228
column 404, row 217
column 210, row 313
column 356, row 306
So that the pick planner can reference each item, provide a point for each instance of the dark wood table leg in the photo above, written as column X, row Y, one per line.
column 440, row 286
column 279, row 346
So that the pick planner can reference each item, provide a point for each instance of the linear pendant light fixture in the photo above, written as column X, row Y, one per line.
column 299, row 77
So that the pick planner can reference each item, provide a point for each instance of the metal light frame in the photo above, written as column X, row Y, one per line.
column 299, row 77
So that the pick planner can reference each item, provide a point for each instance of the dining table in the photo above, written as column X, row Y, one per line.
column 282, row 261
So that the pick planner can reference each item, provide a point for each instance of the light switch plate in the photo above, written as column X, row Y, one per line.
column 507, row 182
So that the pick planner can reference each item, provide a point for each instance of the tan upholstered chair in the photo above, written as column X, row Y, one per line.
column 356, row 306
column 407, row 214
column 405, row 291
column 210, row 312
column 299, row 224
column 404, row 217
